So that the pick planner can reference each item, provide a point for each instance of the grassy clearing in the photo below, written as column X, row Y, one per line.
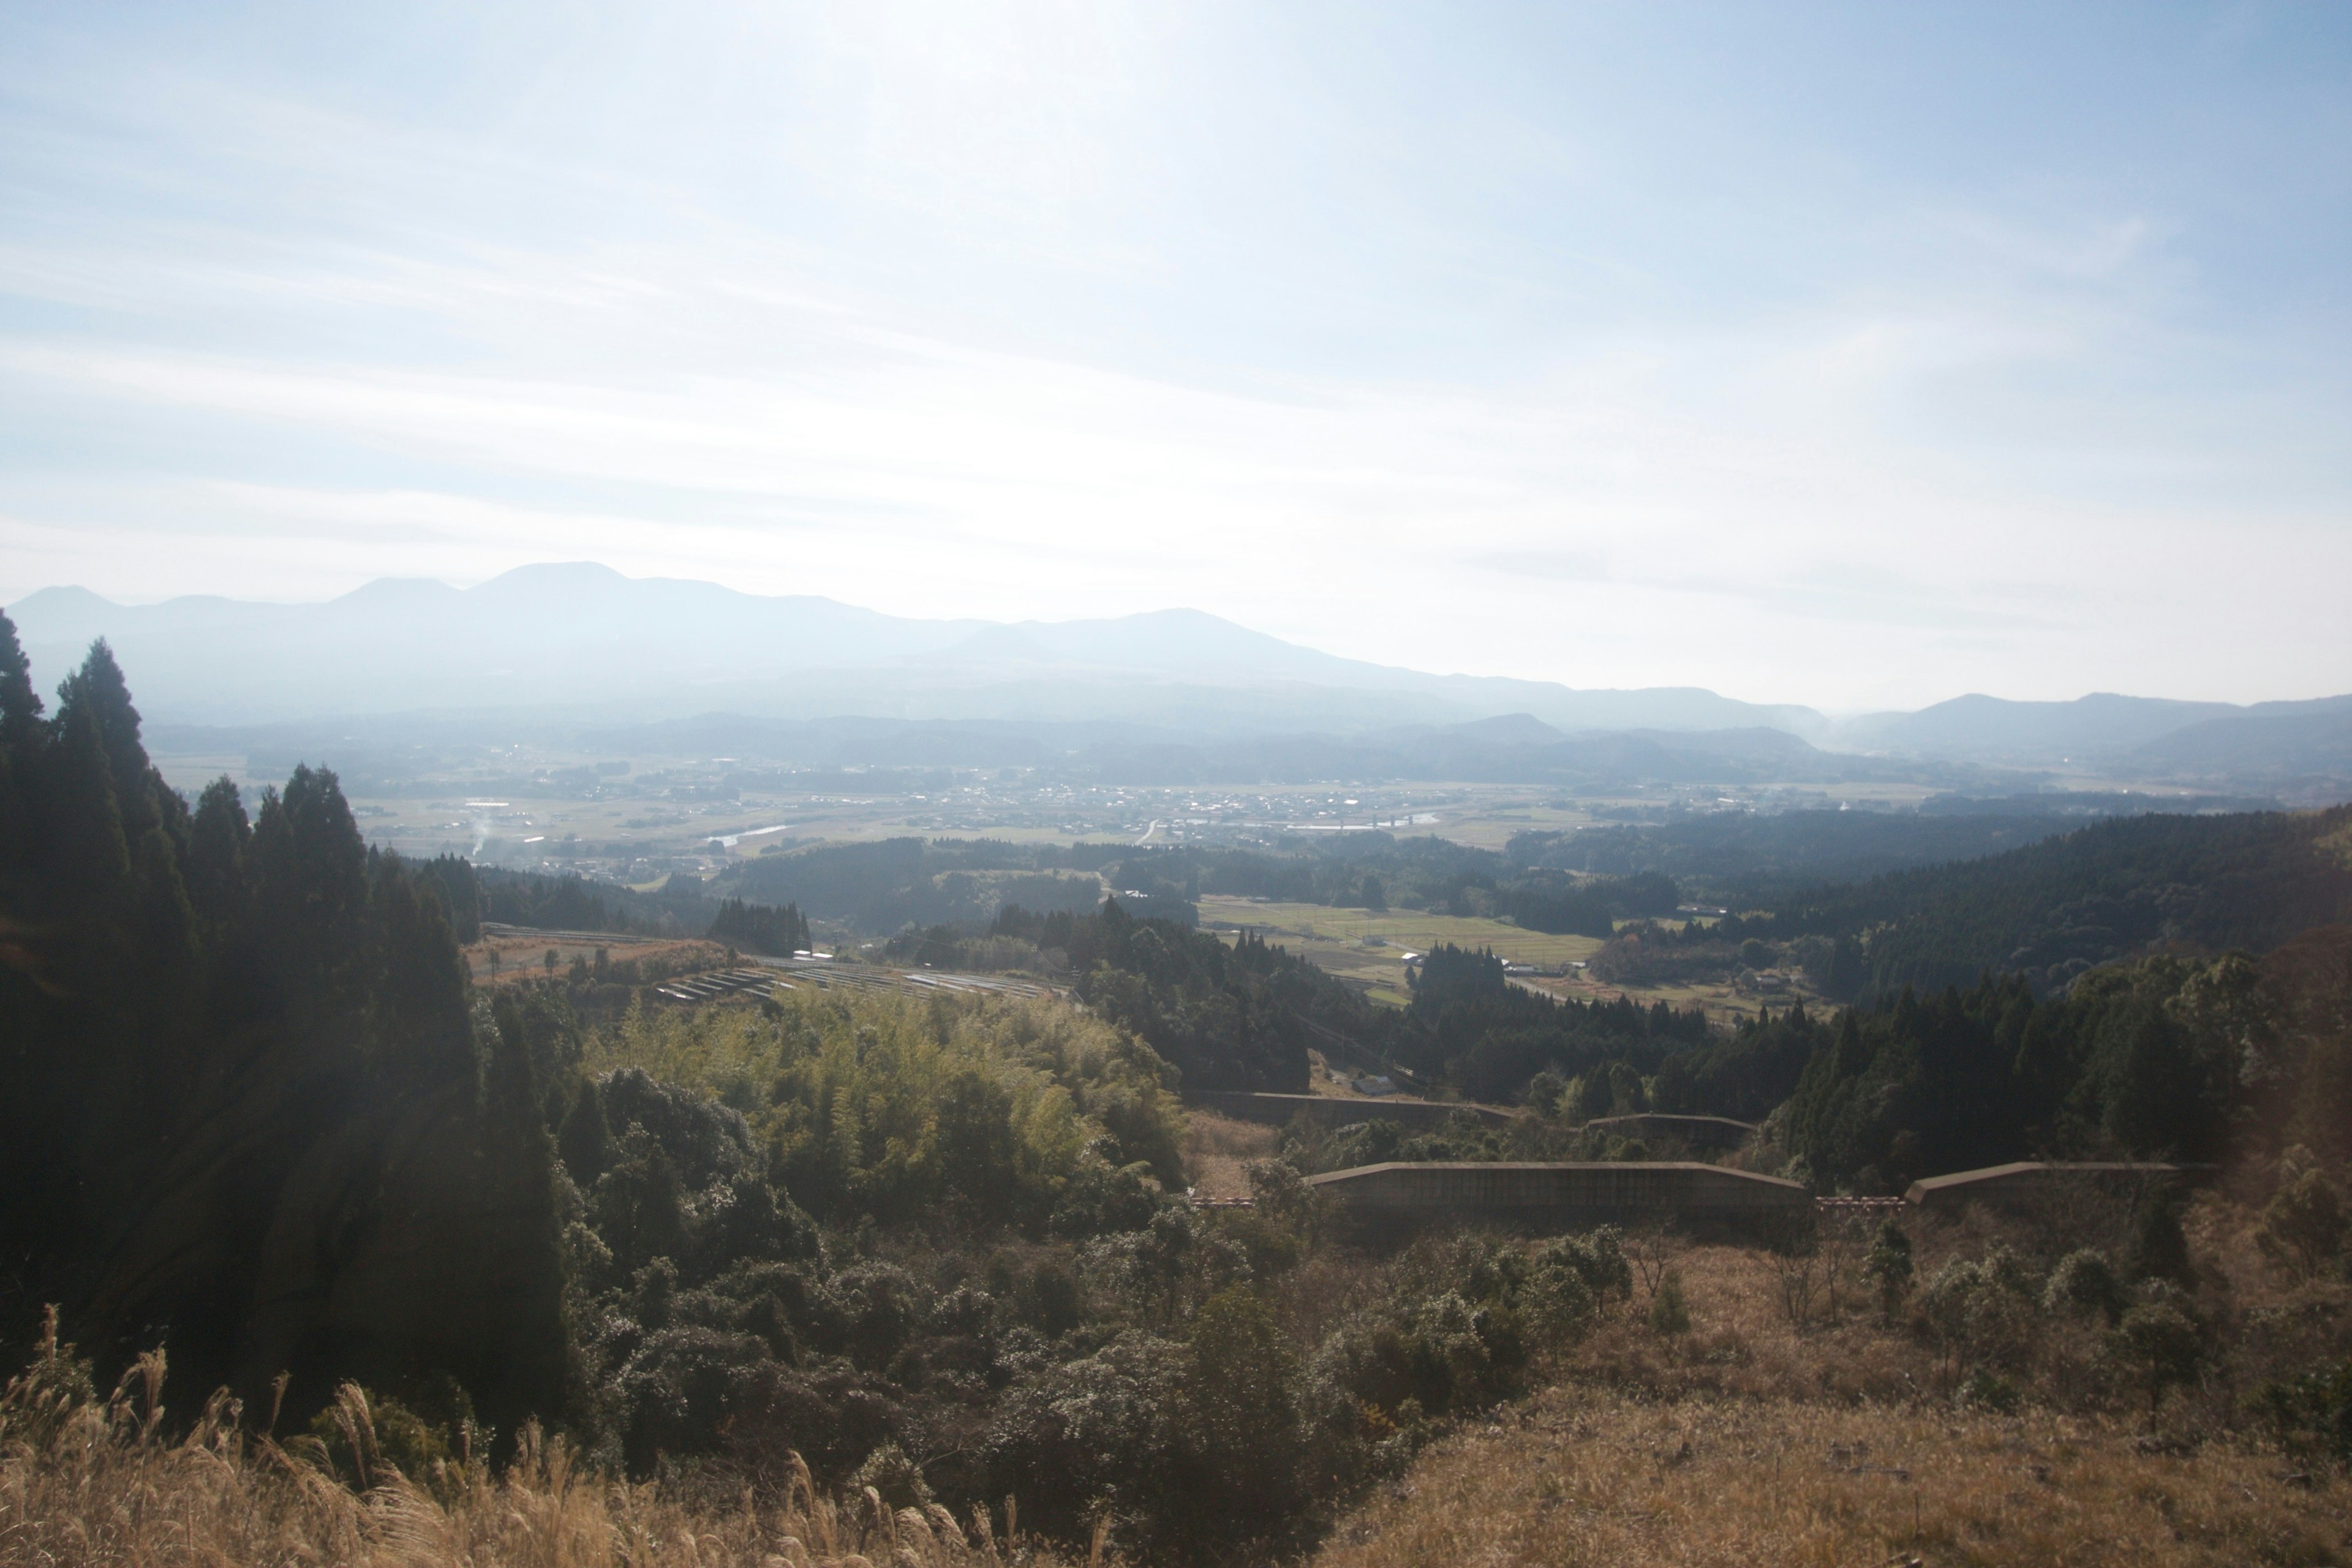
column 1485, row 820
column 1722, row 1001
column 522, row 956
column 1571, row 1479
column 1218, row 1151
column 1311, row 926
column 1748, row 1439
column 1332, row 940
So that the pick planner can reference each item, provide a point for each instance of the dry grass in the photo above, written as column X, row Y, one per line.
column 90, row 1482
column 522, row 957
column 1218, row 1151
column 1747, row 1441
column 1580, row 1478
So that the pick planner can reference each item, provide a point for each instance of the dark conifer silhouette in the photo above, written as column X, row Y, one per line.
column 243, row 1107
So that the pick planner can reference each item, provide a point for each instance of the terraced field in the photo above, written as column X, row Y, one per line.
column 1336, row 938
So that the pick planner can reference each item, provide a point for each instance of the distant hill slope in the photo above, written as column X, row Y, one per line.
column 1751, row 860
column 2100, row 726
column 2053, row 910
column 578, row 635
column 2288, row 746
column 1509, row 749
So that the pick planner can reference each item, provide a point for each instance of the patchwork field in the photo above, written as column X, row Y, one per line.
column 521, row 956
column 1403, row 931
column 1720, row 1000
column 1370, row 945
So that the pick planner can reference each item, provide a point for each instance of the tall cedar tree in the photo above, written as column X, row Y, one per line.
column 244, row 1111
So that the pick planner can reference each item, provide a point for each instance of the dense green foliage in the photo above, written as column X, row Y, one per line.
column 998, row 1291
column 761, row 927
column 1969, row 1079
column 1374, row 871
column 1750, row 861
column 1237, row 1016
column 251, row 1108
column 567, row 903
column 971, row 1119
column 880, row 887
column 244, row 1108
column 2052, row 910
column 1470, row 1026
column 2169, row 1057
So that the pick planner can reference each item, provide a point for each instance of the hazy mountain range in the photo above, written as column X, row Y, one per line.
column 1175, row 692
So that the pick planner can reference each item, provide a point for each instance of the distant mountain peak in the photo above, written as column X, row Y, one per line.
column 579, row 634
column 398, row 592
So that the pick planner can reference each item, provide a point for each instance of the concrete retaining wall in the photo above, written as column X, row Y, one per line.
column 1400, row 1194
column 1698, row 1132
column 2026, row 1182
column 1329, row 1110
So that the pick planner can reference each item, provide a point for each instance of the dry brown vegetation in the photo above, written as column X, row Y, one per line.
column 1579, row 1477
column 90, row 1481
column 1219, row 1150
column 522, row 955
column 1750, row 1439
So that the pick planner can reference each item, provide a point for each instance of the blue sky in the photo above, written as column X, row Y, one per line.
column 1859, row 356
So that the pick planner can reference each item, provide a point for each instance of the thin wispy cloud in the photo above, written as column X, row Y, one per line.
column 1357, row 334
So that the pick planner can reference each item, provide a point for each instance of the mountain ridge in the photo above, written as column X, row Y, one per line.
column 579, row 636
column 404, row 645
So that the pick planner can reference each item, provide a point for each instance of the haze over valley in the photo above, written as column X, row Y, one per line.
column 571, row 682
column 1008, row 785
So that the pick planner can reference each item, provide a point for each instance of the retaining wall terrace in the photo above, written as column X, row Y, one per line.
column 1330, row 1111
column 2024, row 1182
column 1402, row 1196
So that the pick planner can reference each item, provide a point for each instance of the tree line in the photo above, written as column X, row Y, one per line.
column 245, row 1106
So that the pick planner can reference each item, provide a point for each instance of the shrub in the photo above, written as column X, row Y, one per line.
column 1669, row 1313
column 896, row 1477
column 1976, row 1315
column 1889, row 1266
column 1555, row 1301
column 2302, row 1228
column 2005, row 1270
column 1597, row 1257
column 2312, row 1411
column 1093, row 1434
column 1984, row 1390
column 2084, row 1282
column 2158, row 1250
column 1240, row 1424
column 2155, row 1345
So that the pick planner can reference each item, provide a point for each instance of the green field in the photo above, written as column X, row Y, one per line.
column 1333, row 939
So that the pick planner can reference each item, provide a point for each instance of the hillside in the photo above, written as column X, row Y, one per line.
column 2102, row 727
column 2049, row 911
column 581, row 637
column 513, row 1245
column 1749, row 859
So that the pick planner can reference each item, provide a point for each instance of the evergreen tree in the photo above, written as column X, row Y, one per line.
column 218, row 838
column 99, row 691
column 20, row 705
column 238, row 1077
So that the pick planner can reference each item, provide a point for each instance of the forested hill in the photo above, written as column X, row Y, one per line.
column 472, row 894
column 245, row 1108
column 2050, row 910
column 1749, row 860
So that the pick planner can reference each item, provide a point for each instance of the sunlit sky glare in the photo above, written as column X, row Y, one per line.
column 1857, row 356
